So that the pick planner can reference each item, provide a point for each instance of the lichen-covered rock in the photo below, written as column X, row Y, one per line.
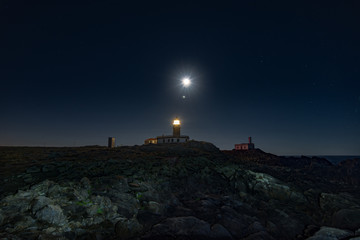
column 40, row 202
column 42, row 187
column 16, row 204
column 273, row 188
column 52, row 214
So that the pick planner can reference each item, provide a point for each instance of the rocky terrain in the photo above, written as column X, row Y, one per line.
column 182, row 191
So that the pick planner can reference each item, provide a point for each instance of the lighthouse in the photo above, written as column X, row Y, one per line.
column 176, row 127
column 176, row 137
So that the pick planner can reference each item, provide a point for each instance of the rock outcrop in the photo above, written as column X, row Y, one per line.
column 185, row 191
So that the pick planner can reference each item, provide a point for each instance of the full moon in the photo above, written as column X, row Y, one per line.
column 186, row 82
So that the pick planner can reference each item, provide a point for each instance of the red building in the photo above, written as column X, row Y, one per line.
column 245, row 146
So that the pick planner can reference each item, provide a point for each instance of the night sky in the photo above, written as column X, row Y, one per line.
column 286, row 73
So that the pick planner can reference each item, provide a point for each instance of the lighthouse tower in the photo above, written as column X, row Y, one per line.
column 170, row 139
column 176, row 128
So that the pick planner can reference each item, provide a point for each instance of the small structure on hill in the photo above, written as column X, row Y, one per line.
column 111, row 142
column 245, row 146
column 151, row 141
column 176, row 137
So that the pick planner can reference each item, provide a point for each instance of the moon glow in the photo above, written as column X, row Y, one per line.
column 186, row 82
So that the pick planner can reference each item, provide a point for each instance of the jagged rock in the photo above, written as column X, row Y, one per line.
column 55, row 191
column 128, row 228
column 52, row 214
column 42, row 188
column 187, row 227
column 9, row 236
column 40, row 202
column 288, row 226
column 103, row 208
column 272, row 229
column 350, row 171
column 82, row 194
column 328, row 233
column 127, row 204
column 16, row 204
column 347, row 219
column 151, row 189
column 24, row 223
column 334, row 202
column 273, row 188
column 236, row 223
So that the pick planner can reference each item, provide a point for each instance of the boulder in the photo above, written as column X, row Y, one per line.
column 334, row 202
column 236, row 223
column 40, row 202
column 347, row 219
column 52, row 214
column 187, row 228
column 328, row 233
column 128, row 228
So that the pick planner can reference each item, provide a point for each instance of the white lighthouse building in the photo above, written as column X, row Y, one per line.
column 176, row 137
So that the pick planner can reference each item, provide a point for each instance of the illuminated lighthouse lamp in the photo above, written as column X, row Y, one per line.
column 176, row 122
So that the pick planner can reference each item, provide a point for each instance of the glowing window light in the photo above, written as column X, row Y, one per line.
column 176, row 122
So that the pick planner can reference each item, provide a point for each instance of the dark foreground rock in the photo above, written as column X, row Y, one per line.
column 185, row 191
